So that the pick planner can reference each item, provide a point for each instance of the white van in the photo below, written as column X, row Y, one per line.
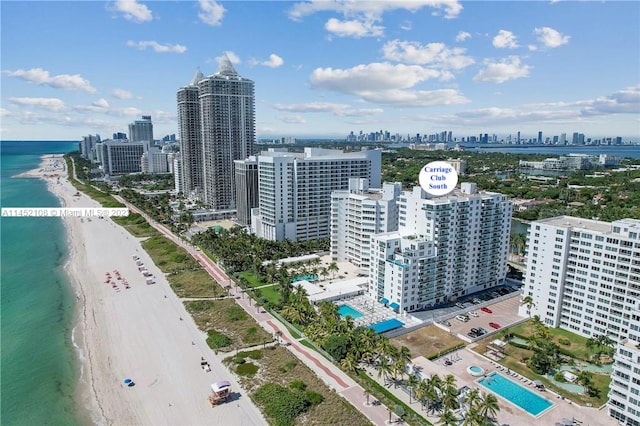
column 462, row 318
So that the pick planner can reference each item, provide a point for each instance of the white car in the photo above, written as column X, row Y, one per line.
column 473, row 314
column 462, row 318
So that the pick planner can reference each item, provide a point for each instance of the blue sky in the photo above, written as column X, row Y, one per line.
column 323, row 69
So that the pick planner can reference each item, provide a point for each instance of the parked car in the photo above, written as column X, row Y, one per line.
column 446, row 323
column 494, row 325
column 474, row 330
column 487, row 310
column 473, row 314
column 476, row 300
column 462, row 318
column 472, row 335
column 481, row 331
column 459, row 305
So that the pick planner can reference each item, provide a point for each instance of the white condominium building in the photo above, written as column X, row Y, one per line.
column 624, row 389
column 398, row 268
column 295, row 189
column 469, row 233
column 358, row 213
column 584, row 275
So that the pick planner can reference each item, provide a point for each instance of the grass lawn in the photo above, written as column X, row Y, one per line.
column 136, row 225
column 577, row 346
column 271, row 294
column 195, row 283
column 168, row 256
column 252, row 279
column 227, row 317
column 277, row 365
column 427, row 341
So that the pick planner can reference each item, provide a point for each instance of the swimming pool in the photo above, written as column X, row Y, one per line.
column 381, row 327
column 515, row 394
column 346, row 310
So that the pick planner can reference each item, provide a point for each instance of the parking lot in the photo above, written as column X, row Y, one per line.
column 503, row 314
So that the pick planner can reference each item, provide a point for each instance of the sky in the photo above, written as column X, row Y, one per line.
column 326, row 68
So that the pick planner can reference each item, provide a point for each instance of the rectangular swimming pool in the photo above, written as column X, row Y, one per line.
column 514, row 393
column 346, row 310
column 381, row 327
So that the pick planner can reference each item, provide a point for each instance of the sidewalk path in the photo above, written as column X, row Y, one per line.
column 323, row 368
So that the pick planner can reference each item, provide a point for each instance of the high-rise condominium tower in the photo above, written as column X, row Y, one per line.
column 227, row 114
column 216, row 117
column 190, row 137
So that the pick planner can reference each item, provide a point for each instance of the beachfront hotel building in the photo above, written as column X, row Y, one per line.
column 141, row 130
column 295, row 189
column 121, row 156
column 445, row 247
column 246, row 189
column 584, row 275
column 191, row 154
column 358, row 213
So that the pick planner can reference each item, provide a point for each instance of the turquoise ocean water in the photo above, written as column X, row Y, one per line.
column 37, row 359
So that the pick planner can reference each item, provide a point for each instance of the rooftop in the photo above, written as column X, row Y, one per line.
column 576, row 222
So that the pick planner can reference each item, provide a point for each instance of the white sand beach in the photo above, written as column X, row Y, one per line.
column 142, row 333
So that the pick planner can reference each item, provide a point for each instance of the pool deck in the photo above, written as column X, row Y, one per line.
column 509, row 414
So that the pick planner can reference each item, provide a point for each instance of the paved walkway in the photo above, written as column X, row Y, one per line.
column 329, row 373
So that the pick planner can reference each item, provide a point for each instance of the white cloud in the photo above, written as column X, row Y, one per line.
column 121, row 94
column 52, row 104
column 374, row 76
column 292, row 119
column 41, row 77
column 462, row 36
column 157, row 47
column 498, row 72
column 101, row 103
column 451, row 8
column 274, row 61
column 432, row 53
column 387, row 83
column 4, row 112
column 353, row 28
column 505, row 39
column 550, row 37
column 342, row 110
column 532, row 47
column 406, row 26
column 415, row 98
column 625, row 101
column 133, row 11
column 211, row 12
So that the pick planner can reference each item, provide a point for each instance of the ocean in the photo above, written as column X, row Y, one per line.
column 37, row 357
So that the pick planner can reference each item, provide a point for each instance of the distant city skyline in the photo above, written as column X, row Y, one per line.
column 323, row 69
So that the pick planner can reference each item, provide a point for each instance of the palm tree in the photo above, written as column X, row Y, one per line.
column 384, row 368
column 448, row 419
column 349, row 363
column 488, row 406
column 472, row 399
column 420, row 392
column 528, row 302
column 412, row 384
column 333, row 268
column 585, row 378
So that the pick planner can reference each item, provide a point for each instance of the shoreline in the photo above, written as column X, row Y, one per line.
column 136, row 332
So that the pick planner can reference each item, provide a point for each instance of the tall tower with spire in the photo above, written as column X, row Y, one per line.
column 227, row 120
column 191, row 149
